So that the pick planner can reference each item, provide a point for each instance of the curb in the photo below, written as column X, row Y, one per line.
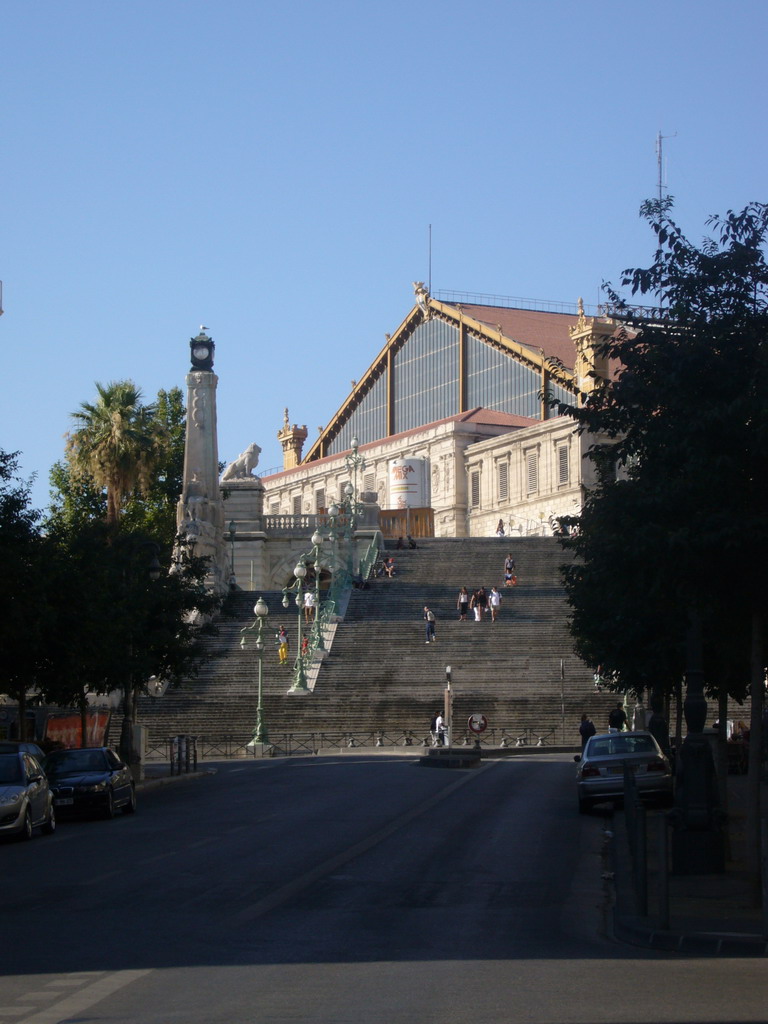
column 164, row 780
column 636, row 933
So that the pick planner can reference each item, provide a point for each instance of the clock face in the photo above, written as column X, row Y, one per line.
column 201, row 352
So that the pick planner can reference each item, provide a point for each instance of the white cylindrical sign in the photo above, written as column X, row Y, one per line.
column 407, row 479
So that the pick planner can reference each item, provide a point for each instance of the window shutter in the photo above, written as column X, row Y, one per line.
column 532, row 470
column 474, row 482
column 562, row 464
column 503, row 481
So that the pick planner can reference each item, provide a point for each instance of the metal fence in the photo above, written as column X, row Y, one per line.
column 179, row 749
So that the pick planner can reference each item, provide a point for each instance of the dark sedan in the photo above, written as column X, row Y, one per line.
column 90, row 780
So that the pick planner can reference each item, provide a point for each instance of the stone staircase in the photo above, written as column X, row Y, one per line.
column 381, row 676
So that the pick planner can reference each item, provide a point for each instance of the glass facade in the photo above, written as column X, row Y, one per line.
column 427, row 376
column 426, row 386
column 367, row 423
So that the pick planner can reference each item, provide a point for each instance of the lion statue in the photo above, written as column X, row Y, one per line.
column 243, row 466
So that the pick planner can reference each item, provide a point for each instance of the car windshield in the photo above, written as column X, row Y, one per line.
column 618, row 744
column 10, row 768
column 67, row 762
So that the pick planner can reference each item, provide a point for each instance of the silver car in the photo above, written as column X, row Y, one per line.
column 600, row 775
column 26, row 800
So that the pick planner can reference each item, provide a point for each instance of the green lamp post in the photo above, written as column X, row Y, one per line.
column 260, row 734
column 299, row 684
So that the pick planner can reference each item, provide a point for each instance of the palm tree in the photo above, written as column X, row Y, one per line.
column 117, row 444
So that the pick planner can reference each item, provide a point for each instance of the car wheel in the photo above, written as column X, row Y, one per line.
column 130, row 807
column 109, row 809
column 49, row 825
column 26, row 829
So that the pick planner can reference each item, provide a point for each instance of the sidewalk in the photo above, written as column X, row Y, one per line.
column 709, row 915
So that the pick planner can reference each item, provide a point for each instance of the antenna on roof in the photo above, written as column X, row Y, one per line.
column 662, row 175
column 429, row 276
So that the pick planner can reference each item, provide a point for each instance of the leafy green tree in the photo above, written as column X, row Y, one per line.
column 75, row 497
column 685, row 419
column 154, row 509
column 117, row 445
column 22, row 604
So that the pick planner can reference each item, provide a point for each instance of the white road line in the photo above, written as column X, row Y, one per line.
column 80, row 1001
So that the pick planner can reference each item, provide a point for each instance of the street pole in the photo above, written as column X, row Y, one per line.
column 299, row 684
column 260, row 734
column 448, row 698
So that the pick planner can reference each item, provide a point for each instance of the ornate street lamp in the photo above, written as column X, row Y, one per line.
column 261, row 611
column 317, row 542
column 299, row 676
column 355, row 464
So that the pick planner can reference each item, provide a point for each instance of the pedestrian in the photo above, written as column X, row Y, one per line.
column 509, row 570
column 429, row 618
column 462, row 604
column 309, row 606
column 282, row 646
column 481, row 603
column 586, row 729
column 389, row 566
column 399, row 546
column 494, row 600
column 617, row 719
column 433, row 728
column 411, row 542
column 500, row 528
column 440, row 729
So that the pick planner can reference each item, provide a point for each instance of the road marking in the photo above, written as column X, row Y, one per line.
column 80, row 1001
column 287, row 892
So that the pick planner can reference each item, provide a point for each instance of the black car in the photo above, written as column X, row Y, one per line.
column 90, row 779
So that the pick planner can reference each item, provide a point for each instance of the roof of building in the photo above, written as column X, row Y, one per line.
column 539, row 340
column 537, row 330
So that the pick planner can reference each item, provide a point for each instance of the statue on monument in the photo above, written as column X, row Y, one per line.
column 243, row 466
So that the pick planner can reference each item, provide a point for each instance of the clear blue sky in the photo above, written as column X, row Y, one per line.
column 271, row 171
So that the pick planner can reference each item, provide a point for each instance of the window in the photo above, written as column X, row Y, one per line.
column 369, row 483
column 320, row 499
column 274, row 508
column 532, row 470
column 474, row 489
column 503, row 481
column 297, row 504
column 563, row 468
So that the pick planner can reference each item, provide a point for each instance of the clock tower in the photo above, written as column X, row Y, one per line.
column 200, row 511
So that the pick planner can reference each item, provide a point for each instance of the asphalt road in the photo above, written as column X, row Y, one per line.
column 333, row 890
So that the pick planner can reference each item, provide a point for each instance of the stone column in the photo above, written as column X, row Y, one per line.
column 200, row 512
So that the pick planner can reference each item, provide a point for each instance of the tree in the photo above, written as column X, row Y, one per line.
column 22, row 605
column 117, row 445
column 685, row 419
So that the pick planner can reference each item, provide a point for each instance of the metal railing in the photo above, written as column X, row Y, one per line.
column 238, row 745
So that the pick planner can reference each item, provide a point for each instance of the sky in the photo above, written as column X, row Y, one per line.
column 276, row 172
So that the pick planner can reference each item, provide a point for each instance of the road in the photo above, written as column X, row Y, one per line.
column 340, row 889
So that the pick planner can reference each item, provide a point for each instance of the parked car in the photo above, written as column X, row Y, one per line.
column 26, row 801
column 600, row 775
column 90, row 779
column 13, row 746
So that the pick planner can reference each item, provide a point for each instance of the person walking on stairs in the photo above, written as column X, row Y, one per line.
column 282, row 646
column 494, row 600
column 429, row 618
